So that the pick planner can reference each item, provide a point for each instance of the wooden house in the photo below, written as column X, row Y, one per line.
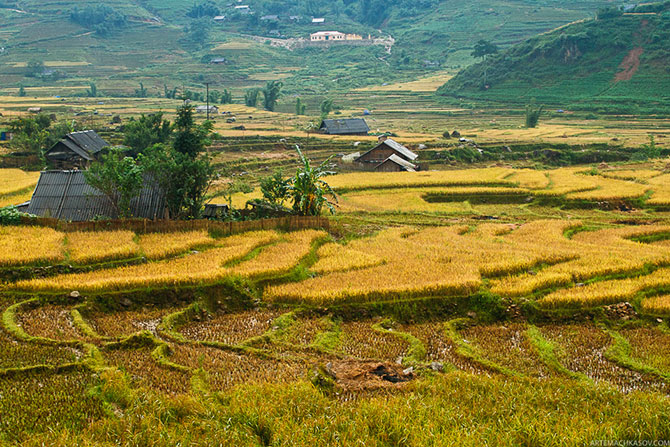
column 384, row 150
column 353, row 126
column 395, row 164
column 76, row 150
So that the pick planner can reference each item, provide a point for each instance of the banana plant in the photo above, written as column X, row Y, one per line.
column 307, row 189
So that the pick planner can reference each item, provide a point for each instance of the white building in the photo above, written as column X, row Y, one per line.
column 323, row 36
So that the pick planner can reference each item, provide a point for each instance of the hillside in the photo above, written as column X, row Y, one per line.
column 617, row 63
column 173, row 42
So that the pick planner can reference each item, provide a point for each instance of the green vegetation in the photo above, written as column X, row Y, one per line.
column 631, row 52
column 119, row 178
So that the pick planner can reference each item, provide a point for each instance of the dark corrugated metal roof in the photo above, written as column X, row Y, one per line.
column 85, row 144
column 65, row 195
column 88, row 140
column 402, row 150
column 345, row 126
column 399, row 148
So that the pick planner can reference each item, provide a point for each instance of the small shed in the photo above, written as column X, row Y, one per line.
column 215, row 211
column 203, row 109
column 395, row 164
column 385, row 149
column 76, row 150
column 353, row 126
column 65, row 195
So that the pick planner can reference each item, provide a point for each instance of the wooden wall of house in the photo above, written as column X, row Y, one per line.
column 377, row 155
column 389, row 166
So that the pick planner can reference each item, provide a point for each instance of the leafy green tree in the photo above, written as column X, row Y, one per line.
column 271, row 94
column 35, row 69
column 307, row 189
column 190, row 139
column 533, row 114
column 275, row 188
column 92, row 91
column 22, row 91
column 182, row 170
column 170, row 94
column 198, row 32
column 226, row 97
column 119, row 178
column 326, row 108
column 251, row 97
column 204, row 9
column 145, row 132
column 141, row 92
column 300, row 107
column 484, row 48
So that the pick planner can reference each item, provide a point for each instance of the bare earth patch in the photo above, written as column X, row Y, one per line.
column 630, row 65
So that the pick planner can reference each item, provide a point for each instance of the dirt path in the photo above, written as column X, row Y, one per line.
column 630, row 65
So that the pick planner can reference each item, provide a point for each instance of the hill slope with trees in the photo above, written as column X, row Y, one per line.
column 616, row 63
column 124, row 42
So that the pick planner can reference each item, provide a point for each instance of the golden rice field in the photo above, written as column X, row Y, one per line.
column 445, row 191
column 557, row 262
column 20, row 245
column 14, row 181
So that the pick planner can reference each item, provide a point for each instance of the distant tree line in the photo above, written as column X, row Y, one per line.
column 102, row 19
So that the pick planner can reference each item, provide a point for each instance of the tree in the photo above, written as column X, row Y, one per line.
column 190, row 139
column 182, row 170
column 300, row 107
column 533, row 115
column 22, row 91
column 271, row 94
column 326, row 108
column 92, row 92
column 117, row 177
column 483, row 48
column 145, row 132
column 198, row 31
column 275, row 188
column 251, row 97
column 141, row 92
column 170, row 94
column 35, row 69
column 205, row 9
column 226, row 97
column 308, row 191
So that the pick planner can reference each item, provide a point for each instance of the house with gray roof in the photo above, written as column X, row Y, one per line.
column 385, row 149
column 76, row 150
column 352, row 126
column 65, row 195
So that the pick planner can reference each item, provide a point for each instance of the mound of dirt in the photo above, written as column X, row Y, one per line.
column 359, row 376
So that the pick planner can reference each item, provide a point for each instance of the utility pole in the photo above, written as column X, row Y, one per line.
column 207, row 84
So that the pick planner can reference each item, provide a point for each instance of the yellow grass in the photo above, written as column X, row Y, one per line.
column 24, row 245
column 15, row 180
column 661, row 187
column 402, row 263
column 200, row 268
column 94, row 246
column 161, row 245
column 427, row 84
column 588, row 255
column 15, row 199
column 374, row 180
column 632, row 174
column 657, row 304
column 335, row 258
column 531, row 178
column 280, row 258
